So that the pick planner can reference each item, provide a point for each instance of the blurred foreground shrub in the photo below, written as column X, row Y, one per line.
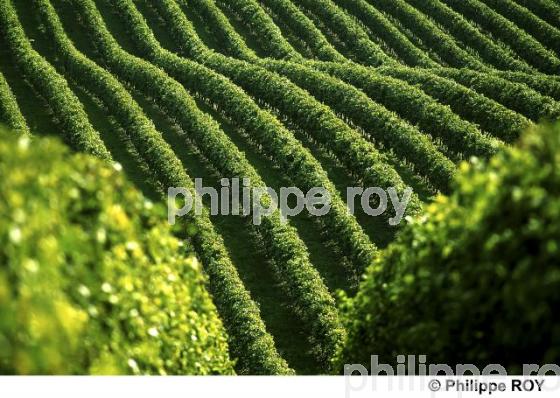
column 476, row 279
column 91, row 279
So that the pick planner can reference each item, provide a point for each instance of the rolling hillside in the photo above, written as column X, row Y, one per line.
column 305, row 93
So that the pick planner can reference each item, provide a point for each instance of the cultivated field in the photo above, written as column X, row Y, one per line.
column 305, row 93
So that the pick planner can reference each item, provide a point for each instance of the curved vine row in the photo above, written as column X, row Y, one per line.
column 380, row 26
column 538, row 82
column 492, row 53
column 304, row 28
column 515, row 96
column 524, row 44
column 329, row 130
column 10, row 114
column 492, row 117
column 547, row 10
column 230, row 40
column 429, row 33
column 411, row 103
column 522, row 17
column 261, row 27
column 354, row 37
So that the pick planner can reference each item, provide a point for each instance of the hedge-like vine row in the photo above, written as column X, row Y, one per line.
column 301, row 281
column 524, row 44
column 529, row 22
column 430, row 34
column 547, row 10
column 304, row 28
column 66, row 107
column 515, row 96
column 195, row 46
column 381, row 27
column 221, row 27
column 496, row 119
column 249, row 340
column 288, row 33
column 538, row 82
column 412, row 104
column 10, row 115
column 379, row 124
column 355, row 38
column 469, row 34
column 261, row 27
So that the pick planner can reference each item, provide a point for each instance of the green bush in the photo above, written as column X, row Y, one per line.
column 476, row 279
column 91, row 278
